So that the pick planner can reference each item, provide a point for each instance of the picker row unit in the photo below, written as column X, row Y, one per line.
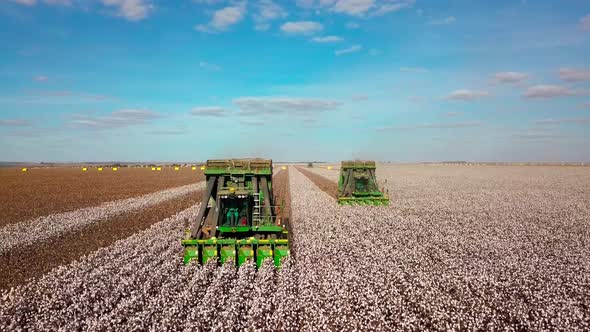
column 238, row 219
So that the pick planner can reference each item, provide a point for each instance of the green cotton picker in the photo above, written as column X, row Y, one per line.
column 238, row 219
column 357, row 184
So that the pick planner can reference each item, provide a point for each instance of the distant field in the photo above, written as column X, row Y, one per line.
column 43, row 191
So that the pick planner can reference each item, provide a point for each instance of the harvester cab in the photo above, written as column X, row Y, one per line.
column 357, row 184
column 238, row 219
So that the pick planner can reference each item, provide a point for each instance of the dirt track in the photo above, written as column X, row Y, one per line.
column 328, row 186
column 44, row 191
column 280, row 185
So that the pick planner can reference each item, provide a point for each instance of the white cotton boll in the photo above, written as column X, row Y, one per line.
column 458, row 249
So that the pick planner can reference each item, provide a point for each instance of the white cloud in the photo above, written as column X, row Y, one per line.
column 357, row 7
column 208, row 2
column 302, row 27
column 117, row 119
column 14, row 122
column 353, row 7
column 227, row 16
column 443, row 21
column 224, row 18
column 214, row 111
column 283, row 105
column 132, row 10
column 352, row 49
column 585, row 22
column 309, row 4
column 573, row 74
column 510, row 77
column 268, row 11
column 26, row 2
column 41, row 78
column 551, row 91
column 393, row 6
column 467, row 95
column 327, row 39
column 209, row 66
column 413, row 70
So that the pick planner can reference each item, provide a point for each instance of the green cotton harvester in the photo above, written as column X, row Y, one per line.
column 238, row 219
column 357, row 184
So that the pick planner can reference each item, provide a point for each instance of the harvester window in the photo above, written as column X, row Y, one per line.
column 361, row 185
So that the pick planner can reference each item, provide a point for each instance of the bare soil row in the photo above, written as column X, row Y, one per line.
column 44, row 191
column 35, row 260
column 328, row 186
column 280, row 185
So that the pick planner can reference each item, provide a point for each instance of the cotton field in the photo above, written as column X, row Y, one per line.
column 476, row 248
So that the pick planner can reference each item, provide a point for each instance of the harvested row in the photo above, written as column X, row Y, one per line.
column 330, row 174
column 326, row 184
column 35, row 260
column 44, row 191
column 283, row 195
column 26, row 233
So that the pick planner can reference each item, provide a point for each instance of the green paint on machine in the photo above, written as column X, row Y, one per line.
column 357, row 184
column 238, row 220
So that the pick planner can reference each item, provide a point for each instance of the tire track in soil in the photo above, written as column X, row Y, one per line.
column 17, row 266
column 282, row 192
column 328, row 186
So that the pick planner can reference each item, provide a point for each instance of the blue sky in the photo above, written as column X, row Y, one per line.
column 392, row 80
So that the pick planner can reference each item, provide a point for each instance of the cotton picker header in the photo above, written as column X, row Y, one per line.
column 238, row 219
column 357, row 184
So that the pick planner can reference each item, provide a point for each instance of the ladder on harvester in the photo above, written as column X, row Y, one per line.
column 256, row 209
